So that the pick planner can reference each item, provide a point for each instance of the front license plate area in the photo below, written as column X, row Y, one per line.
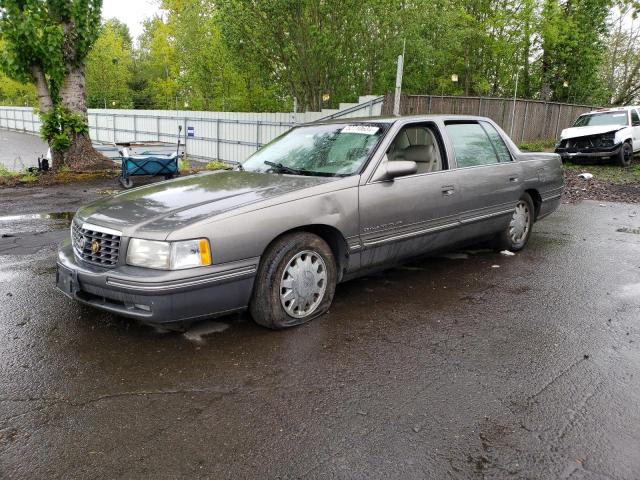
column 67, row 281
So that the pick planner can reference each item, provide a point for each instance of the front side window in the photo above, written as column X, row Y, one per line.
column 418, row 143
column 471, row 144
column 635, row 120
column 323, row 150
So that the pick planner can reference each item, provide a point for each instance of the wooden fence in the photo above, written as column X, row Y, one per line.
column 533, row 119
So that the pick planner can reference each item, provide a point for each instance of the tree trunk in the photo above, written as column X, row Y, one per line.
column 80, row 155
column 72, row 92
column 42, row 89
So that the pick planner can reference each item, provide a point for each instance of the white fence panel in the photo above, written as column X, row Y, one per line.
column 227, row 136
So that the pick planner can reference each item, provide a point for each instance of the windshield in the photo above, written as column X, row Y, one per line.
column 325, row 150
column 598, row 119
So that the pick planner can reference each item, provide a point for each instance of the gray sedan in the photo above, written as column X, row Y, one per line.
column 319, row 205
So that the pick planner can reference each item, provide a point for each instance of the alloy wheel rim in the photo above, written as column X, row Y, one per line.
column 303, row 283
column 520, row 222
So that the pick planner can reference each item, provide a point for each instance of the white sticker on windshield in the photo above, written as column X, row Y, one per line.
column 619, row 115
column 361, row 129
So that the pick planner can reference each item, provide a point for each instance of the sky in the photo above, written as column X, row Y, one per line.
column 131, row 12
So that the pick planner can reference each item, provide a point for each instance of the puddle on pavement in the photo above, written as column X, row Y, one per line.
column 202, row 329
column 64, row 216
column 629, row 230
column 5, row 276
column 631, row 290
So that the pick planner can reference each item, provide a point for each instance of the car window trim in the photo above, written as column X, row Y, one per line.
column 482, row 122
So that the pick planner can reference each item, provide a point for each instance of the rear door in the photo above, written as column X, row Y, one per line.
column 489, row 177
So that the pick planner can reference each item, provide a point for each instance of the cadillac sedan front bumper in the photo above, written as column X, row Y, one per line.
column 132, row 292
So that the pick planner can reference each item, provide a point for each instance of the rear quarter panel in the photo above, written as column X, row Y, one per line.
column 543, row 173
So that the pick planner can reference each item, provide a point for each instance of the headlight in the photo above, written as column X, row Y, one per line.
column 608, row 139
column 190, row 253
column 169, row 255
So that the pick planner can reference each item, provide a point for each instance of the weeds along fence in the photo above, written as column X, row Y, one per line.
column 533, row 120
column 227, row 136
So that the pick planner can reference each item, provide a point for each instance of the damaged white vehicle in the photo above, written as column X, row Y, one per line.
column 608, row 134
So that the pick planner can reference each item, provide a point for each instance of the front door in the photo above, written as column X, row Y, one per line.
column 410, row 215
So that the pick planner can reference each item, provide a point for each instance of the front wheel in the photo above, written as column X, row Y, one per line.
column 295, row 282
column 516, row 235
column 625, row 155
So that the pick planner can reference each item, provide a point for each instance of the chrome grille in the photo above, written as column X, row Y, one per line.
column 94, row 245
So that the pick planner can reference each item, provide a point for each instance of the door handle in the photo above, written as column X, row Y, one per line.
column 513, row 179
column 448, row 190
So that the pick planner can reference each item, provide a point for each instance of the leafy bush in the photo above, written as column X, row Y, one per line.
column 60, row 126
column 183, row 165
column 6, row 173
column 217, row 165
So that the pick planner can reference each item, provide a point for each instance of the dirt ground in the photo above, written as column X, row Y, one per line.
column 609, row 183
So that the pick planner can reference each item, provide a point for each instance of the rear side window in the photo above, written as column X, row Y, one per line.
column 471, row 144
column 498, row 142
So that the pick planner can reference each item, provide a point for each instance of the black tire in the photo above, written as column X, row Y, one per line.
column 505, row 239
column 128, row 183
column 625, row 155
column 266, row 306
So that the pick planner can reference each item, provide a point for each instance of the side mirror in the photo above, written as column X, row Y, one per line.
column 400, row 168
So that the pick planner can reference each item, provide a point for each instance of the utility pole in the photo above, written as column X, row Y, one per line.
column 396, row 100
column 513, row 111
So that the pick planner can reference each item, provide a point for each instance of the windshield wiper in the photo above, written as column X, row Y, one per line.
column 283, row 168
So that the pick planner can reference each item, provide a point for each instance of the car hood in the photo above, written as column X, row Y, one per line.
column 575, row 132
column 166, row 206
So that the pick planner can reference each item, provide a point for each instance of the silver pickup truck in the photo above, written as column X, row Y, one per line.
column 321, row 204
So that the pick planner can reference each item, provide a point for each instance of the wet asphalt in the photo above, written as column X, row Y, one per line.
column 19, row 150
column 471, row 365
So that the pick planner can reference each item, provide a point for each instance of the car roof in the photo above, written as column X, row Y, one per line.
column 611, row 109
column 392, row 119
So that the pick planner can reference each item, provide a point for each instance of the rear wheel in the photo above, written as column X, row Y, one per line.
column 295, row 282
column 516, row 235
column 625, row 155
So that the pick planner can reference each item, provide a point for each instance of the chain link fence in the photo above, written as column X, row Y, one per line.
column 523, row 120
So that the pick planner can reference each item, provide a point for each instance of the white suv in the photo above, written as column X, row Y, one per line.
column 606, row 134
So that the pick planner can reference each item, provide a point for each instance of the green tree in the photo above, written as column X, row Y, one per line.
column 156, row 63
column 46, row 42
column 109, row 68
column 306, row 47
column 16, row 93
column 620, row 71
column 208, row 80
column 572, row 36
